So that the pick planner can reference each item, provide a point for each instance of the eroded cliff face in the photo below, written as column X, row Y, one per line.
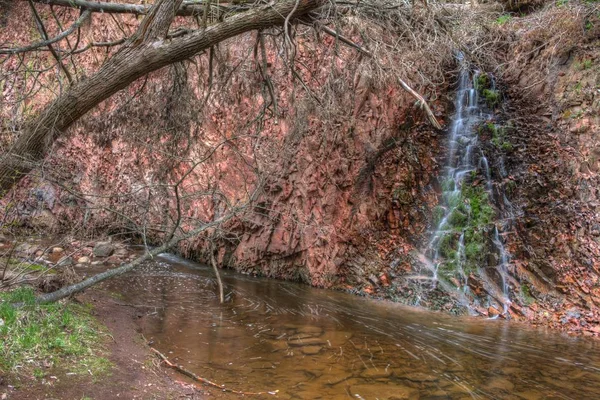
column 344, row 160
column 348, row 167
column 554, row 100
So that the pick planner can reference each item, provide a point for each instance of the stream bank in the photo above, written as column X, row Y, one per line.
column 134, row 372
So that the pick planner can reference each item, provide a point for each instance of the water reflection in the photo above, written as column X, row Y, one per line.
column 316, row 344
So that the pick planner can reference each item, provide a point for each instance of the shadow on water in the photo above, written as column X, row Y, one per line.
column 317, row 344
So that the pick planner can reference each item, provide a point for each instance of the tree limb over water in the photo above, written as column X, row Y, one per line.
column 146, row 51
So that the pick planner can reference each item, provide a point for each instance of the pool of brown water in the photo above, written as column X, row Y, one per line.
column 308, row 343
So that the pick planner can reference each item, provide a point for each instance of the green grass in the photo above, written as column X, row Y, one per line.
column 503, row 19
column 34, row 338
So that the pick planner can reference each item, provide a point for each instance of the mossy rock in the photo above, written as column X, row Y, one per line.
column 492, row 97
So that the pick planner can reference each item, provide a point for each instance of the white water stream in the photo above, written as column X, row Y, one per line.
column 467, row 162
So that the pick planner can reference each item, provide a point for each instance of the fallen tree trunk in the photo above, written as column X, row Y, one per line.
column 112, row 273
column 147, row 51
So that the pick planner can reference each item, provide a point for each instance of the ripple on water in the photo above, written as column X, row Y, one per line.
column 309, row 343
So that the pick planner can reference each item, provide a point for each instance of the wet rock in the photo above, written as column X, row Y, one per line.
column 309, row 329
column 493, row 312
column 311, row 341
column 65, row 262
column 419, row 377
column 500, row 384
column 26, row 249
column 311, row 350
column 113, row 260
column 83, row 260
column 373, row 373
column 529, row 395
column 383, row 391
column 373, row 279
column 121, row 252
column 337, row 338
column 103, row 249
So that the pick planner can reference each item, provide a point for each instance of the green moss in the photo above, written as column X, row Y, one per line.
column 458, row 219
column 526, row 295
column 498, row 135
column 482, row 82
column 492, row 97
column 438, row 214
column 33, row 336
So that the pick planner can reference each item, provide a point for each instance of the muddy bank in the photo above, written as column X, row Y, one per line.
column 135, row 373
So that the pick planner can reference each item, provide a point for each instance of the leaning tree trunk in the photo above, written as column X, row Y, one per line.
column 113, row 273
column 147, row 51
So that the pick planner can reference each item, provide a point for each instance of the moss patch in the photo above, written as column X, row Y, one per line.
column 472, row 218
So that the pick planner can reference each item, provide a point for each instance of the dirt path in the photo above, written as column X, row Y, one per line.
column 136, row 373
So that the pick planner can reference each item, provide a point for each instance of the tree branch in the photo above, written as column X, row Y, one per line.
column 127, row 65
column 86, row 14
column 186, row 9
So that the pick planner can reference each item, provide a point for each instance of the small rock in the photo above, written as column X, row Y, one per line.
column 373, row 373
column 493, row 312
column 83, row 260
column 94, row 263
column 103, row 249
column 311, row 341
column 122, row 252
column 65, row 262
column 419, row 377
column 57, row 250
column 373, row 279
column 311, row 350
column 113, row 260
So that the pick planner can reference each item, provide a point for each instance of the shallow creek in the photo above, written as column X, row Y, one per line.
column 309, row 343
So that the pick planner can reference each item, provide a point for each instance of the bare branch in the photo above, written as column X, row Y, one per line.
column 86, row 14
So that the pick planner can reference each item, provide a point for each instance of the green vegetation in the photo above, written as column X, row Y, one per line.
column 526, row 295
column 492, row 97
column 35, row 337
column 482, row 82
column 498, row 135
column 503, row 19
column 584, row 64
column 472, row 216
column 483, row 85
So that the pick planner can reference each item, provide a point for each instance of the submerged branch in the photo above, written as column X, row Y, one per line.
column 197, row 378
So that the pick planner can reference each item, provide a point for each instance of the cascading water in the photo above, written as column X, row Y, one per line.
column 466, row 232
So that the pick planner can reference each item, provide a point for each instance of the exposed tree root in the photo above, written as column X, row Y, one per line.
column 197, row 378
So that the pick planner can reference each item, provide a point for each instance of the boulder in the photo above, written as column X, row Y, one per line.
column 103, row 249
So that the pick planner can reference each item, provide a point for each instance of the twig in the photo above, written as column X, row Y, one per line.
column 213, row 261
column 47, row 42
column 197, row 378
column 423, row 104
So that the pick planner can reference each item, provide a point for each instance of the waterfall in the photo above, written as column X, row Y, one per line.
column 466, row 232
